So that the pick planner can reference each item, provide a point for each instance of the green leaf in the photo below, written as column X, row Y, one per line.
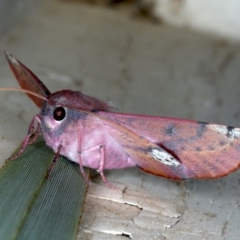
column 33, row 208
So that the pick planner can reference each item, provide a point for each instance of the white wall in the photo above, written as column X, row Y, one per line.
column 219, row 17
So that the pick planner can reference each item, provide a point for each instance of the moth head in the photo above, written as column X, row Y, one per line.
column 54, row 116
column 57, row 114
column 66, row 107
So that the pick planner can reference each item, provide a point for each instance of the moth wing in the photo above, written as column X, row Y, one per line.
column 147, row 155
column 27, row 79
column 204, row 150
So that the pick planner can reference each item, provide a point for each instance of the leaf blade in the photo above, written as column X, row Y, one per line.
column 29, row 203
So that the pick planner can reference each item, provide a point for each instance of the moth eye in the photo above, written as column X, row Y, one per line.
column 59, row 113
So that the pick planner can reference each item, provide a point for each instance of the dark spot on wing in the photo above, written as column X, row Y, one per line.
column 201, row 129
column 170, row 130
column 211, row 148
column 222, row 143
column 199, row 149
column 183, row 148
column 229, row 131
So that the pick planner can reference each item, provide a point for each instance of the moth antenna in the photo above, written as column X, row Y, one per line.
column 25, row 91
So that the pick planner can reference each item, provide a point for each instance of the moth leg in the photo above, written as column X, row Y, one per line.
column 82, row 170
column 101, row 164
column 54, row 160
column 25, row 142
column 81, row 165
column 101, row 167
column 34, row 135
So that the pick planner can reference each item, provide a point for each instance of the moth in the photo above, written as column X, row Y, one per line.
column 88, row 132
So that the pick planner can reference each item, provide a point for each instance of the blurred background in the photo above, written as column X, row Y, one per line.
column 175, row 58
